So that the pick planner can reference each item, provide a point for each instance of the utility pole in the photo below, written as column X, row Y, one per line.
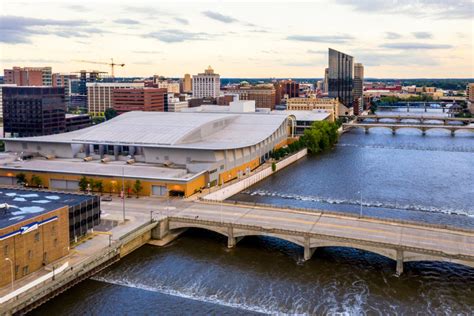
column 123, row 192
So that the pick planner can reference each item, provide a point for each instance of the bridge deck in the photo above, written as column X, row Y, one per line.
column 408, row 125
column 414, row 237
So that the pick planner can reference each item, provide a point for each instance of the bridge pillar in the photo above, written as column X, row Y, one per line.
column 423, row 131
column 453, row 132
column 231, row 241
column 366, row 130
column 399, row 270
column 308, row 251
column 393, row 130
column 161, row 230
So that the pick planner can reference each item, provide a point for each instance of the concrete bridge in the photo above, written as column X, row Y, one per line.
column 394, row 127
column 422, row 119
column 397, row 240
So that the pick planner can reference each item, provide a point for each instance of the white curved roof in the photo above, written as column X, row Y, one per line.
column 180, row 130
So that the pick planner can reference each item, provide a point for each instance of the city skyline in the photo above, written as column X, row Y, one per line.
column 416, row 39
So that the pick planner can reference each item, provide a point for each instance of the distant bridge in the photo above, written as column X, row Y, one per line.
column 394, row 127
column 422, row 119
column 398, row 240
column 443, row 105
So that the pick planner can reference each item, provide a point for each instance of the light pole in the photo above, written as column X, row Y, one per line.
column 151, row 216
column 11, row 267
column 123, row 193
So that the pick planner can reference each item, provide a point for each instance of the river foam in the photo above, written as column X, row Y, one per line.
column 367, row 204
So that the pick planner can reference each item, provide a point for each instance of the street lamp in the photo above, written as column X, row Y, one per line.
column 11, row 267
column 123, row 192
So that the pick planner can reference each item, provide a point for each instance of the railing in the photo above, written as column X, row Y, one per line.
column 288, row 232
column 338, row 214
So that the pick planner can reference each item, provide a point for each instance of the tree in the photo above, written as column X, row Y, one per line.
column 128, row 188
column 137, row 187
column 99, row 186
column 83, row 183
column 36, row 181
column 21, row 179
column 321, row 136
column 110, row 113
column 108, row 187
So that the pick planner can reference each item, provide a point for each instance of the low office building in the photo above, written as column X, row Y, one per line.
column 263, row 94
column 36, row 228
column 77, row 121
column 139, row 99
column 33, row 111
column 170, row 153
column 333, row 106
column 99, row 95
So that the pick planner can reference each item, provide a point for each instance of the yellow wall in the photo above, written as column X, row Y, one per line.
column 114, row 185
column 233, row 173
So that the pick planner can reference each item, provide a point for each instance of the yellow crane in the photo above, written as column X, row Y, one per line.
column 111, row 64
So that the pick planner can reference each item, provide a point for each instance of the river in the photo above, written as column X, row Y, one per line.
column 407, row 176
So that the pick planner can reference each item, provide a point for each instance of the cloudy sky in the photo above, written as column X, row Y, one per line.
column 392, row 38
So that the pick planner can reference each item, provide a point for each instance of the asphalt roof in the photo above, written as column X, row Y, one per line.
column 25, row 204
column 170, row 129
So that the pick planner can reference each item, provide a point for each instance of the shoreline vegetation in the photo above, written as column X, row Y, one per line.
column 320, row 137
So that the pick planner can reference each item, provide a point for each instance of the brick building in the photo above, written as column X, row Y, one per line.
column 263, row 95
column 139, row 99
column 286, row 88
column 28, row 76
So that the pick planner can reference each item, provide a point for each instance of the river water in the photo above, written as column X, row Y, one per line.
column 406, row 176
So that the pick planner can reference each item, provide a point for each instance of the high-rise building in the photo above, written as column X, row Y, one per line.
column 470, row 97
column 1, row 100
column 99, row 95
column 187, row 84
column 207, row 84
column 33, row 111
column 63, row 80
column 325, row 82
column 340, row 78
column 28, row 76
column 358, row 88
column 139, row 99
column 286, row 89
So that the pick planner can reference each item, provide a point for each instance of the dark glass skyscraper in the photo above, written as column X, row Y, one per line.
column 340, row 77
column 33, row 111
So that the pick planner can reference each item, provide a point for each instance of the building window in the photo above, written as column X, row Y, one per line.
column 17, row 268
column 25, row 270
column 5, row 250
column 37, row 236
column 53, row 230
column 55, row 242
column 30, row 254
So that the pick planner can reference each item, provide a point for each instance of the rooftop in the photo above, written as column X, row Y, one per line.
column 25, row 204
column 112, row 169
column 212, row 131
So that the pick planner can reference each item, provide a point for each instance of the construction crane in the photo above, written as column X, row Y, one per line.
column 111, row 64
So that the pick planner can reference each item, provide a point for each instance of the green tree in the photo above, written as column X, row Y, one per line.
column 110, row 113
column 321, row 136
column 99, row 186
column 137, row 187
column 36, row 181
column 21, row 179
column 108, row 187
column 83, row 182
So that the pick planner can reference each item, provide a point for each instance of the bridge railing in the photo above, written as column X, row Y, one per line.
column 340, row 214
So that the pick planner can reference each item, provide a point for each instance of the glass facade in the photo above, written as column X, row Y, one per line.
column 340, row 77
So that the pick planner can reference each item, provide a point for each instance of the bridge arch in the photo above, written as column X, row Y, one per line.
column 221, row 231
column 384, row 252
column 291, row 239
